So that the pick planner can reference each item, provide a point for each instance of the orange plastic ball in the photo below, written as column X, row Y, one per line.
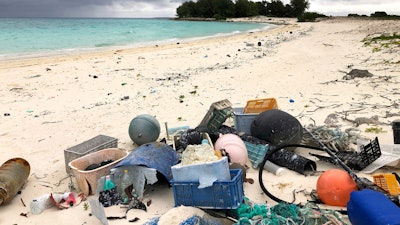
column 334, row 187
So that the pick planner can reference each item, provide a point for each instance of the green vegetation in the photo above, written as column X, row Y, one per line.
column 383, row 41
column 375, row 130
column 222, row 9
column 376, row 15
column 85, row 206
column 309, row 17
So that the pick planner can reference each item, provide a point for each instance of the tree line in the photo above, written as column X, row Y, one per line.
column 222, row 9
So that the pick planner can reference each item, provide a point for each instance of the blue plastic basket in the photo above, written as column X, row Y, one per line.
column 221, row 195
column 256, row 153
column 243, row 120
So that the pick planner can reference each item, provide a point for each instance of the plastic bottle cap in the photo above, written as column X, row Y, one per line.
column 204, row 141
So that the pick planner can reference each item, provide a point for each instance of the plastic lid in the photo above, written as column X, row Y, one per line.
column 204, row 141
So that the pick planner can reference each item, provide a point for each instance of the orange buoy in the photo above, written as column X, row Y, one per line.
column 334, row 187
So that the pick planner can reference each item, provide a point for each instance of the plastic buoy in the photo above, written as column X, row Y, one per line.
column 277, row 127
column 234, row 146
column 334, row 187
column 144, row 129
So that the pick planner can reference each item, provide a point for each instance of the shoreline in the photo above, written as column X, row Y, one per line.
column 50, row 104
column 153, row 46
column 145, row 44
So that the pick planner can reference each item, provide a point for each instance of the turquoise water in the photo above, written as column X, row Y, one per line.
column 24, row 36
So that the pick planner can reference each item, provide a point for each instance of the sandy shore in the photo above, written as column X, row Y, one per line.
column 50, row 104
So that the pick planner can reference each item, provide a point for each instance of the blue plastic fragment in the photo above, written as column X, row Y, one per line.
column 156, row 155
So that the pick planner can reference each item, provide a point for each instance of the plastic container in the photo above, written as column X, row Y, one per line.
column 92, row 145
column 372, row 207
column 396, row 131
column 13, row 175
column 221, row 195
column 207, row 172
column 39, row 204
column 108, row 184
column 125, row 182
column 256, row 153
column 87, row 180
column 242, row 121
column 217, row 114
column 260, row 105
column 387, row 182
column 360, row 160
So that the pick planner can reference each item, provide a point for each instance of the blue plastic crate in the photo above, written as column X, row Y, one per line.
column 221, row 195
column 256, row 153
column 243, row 120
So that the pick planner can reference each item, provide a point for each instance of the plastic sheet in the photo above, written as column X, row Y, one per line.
column 156, row 155
column 98, row 211
column 139, row 175
column 293, row 161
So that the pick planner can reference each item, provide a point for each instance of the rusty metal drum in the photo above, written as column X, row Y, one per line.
column 13, row 175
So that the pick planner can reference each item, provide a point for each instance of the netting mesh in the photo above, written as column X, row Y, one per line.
column 250, row 213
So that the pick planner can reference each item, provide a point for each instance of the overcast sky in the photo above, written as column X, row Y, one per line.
column 167, row 8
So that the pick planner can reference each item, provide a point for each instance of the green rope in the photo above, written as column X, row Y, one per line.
column 250, row 213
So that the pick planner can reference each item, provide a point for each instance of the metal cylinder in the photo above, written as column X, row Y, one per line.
column 13, row 174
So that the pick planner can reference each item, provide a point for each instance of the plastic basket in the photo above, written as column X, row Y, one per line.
column 256, row 153
column 387, row 182
column 358, row 161
column 87, row 179
column 217, row 114
column 260, row 105
column 92, row 145
column 221, row 195
column 242, row 120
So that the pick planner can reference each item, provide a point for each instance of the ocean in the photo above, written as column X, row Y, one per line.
column 41, row 36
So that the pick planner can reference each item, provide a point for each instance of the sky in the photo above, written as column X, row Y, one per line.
column 167, row 8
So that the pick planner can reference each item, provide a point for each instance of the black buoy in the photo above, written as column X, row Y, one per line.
column 277, row 127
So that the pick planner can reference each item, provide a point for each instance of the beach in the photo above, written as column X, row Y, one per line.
column 49, row 104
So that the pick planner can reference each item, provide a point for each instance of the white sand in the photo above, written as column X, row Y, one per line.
column 55, row 103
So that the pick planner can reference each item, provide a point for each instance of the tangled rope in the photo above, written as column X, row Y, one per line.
column 334, row 138
column 250, row 213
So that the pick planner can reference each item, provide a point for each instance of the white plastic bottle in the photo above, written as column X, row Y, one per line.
column 125, row 182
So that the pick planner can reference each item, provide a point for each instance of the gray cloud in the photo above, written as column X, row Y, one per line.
column 344, row 7
column 165, row 8
column 88, row 8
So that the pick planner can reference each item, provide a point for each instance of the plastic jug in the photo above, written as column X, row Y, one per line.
column 372, row 207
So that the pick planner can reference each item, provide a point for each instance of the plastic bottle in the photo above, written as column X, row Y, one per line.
column 13, row 175
column 108, row 184
column 39, row 204
column 125, row 182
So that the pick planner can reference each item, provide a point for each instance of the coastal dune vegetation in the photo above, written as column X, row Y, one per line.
column 222, row 9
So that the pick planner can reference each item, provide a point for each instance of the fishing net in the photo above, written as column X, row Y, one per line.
column 250, row 213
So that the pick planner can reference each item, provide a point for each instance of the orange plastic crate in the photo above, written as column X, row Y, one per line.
column 388, row 183
column 260, row 105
